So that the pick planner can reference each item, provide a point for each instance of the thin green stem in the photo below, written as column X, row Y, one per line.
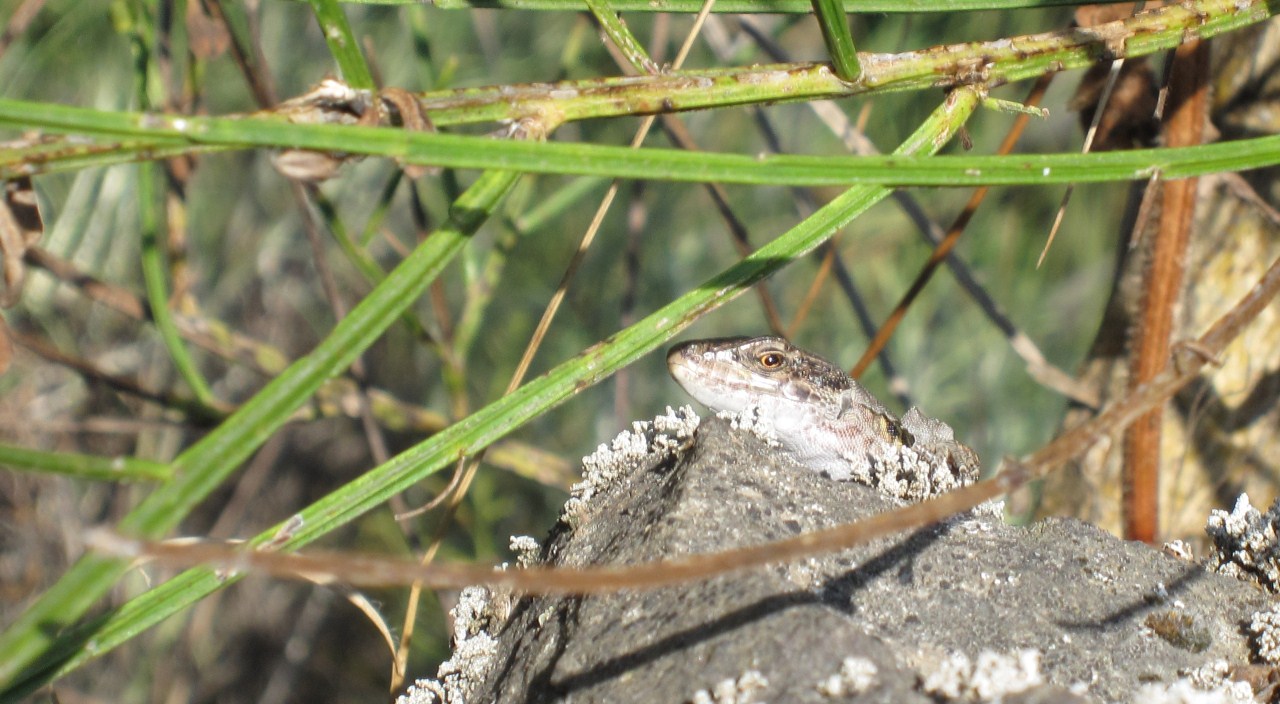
column 557, row 203
column 839, row 41
column 793, row 7
column 152, row 219
column 651, row 163
column 342, row 44
column 621, row 36
column 111, row 469
column 978, row 63
column 151, row 212
column 359, row 257
column 355, row 253
column 372, row 225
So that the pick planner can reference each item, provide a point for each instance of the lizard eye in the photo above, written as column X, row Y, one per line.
column 770, row 360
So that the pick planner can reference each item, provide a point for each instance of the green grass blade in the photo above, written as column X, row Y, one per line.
column 459, row 151
column 503, row 415
column 111, row 469
column 794, row 7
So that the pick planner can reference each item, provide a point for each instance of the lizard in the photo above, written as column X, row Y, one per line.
column 823, row 418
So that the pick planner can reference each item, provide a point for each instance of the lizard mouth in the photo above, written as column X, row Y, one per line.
column 683, row 363
column 676, row 356
column 694, row 367
column 686, row 359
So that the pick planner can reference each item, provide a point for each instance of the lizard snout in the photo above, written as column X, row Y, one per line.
column 682, row 355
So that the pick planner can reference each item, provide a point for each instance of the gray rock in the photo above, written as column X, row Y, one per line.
column 971, row 609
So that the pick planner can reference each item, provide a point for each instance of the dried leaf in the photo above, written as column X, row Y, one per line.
column 207, row 37
column 333, row 102
column 1128, row 120
column 1094, row 15
column 311, row 167
column 330, row 102
column 20, row 227
column 405, row 109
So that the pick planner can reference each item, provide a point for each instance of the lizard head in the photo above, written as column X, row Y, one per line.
column 733, row 373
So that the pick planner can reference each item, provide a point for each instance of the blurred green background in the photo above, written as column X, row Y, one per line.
column 249, row 265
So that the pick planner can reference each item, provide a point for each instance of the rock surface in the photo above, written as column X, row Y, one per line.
column 968, row 610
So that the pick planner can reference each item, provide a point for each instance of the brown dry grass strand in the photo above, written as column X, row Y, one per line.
column 1188, row 93
column 365, row 570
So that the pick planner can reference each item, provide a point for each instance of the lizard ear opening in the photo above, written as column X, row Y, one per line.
column 794, row 391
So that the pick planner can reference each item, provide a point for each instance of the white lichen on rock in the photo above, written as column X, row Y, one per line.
column 1179, row 549
column 856, row 676
column 752, row 419
column 526, row 548
column 662, row 436
column 1214, row 678
column 909, row 475
column 1184, row 691
column 988, row 678
column 743, row 690
column 1265, row 632
column 478, row 615
column 480, row 612
column 993, row 509
column 1208, row 675
column 1245, row 544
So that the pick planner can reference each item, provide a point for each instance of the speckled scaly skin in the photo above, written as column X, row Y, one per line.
column 822, row 417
